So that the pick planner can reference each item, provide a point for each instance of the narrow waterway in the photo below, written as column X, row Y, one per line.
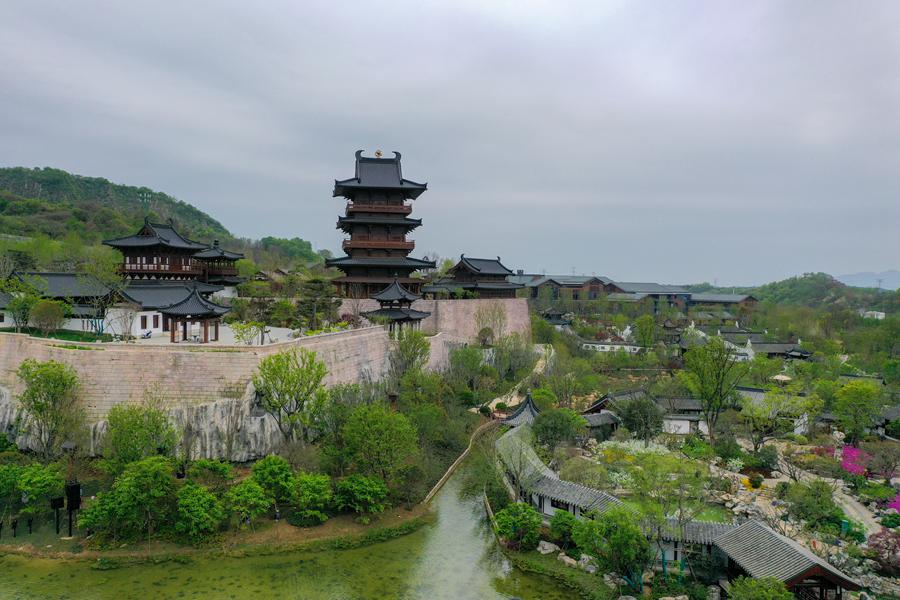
column 454, row 558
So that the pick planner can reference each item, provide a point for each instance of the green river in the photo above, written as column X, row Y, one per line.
column 453, row 558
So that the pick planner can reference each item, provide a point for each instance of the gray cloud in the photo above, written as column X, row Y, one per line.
column 674, row 142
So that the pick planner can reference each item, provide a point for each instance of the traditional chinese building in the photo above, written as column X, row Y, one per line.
column 396, row 305
column 377, row 221
column 158, row 251
column 479, row 277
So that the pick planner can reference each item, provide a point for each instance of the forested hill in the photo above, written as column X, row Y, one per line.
column 815, row 290
column 55, row 203
column 51, row 203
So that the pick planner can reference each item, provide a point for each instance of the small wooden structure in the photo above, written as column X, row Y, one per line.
column 396, row 305
column 194, row 309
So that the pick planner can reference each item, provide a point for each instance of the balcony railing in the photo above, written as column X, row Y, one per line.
column 386, row 244
column 404, row 209
column 160, row 268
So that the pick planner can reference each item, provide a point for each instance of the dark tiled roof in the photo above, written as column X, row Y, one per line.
column 380, row 261
column 524, row 413
column 378, row 173
column 155, row 234
column 395, row 293
column 157, row 296
column 216, row 252
column 602, row 418
column 450, row 285
column 695, row 532
column 568, row 280
column 721, row 298
column 194, row 305
column 624, row 297
column 762, row 552
column 66, row 285
column 778, row 348
column 680, row 404
column 648, row 288
column 482, row 266
column 398, row 314
column 611, row 398
column 356, row 218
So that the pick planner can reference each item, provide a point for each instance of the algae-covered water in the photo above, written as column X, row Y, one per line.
column 454, row 558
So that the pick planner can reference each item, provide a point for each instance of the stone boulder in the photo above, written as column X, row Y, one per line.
column 545, row 547
column 567, row 560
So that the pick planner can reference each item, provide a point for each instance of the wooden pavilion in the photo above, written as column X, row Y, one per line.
column 194, row 309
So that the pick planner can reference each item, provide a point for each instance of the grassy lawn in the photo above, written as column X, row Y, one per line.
column 68, row 335
column 715, row 513
column 585, row 585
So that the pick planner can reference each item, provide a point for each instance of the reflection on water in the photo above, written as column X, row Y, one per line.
column 455, row 558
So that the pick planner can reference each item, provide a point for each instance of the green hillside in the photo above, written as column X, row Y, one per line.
column 55, row 203
column 815, row 290
column 39, row 208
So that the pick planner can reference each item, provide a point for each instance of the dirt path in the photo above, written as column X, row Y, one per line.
column 513, row 397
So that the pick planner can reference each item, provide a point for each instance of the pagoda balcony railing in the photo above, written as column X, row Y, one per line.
column 161, row 268
column 229, row 271
column 403, row 209
column 386, row 244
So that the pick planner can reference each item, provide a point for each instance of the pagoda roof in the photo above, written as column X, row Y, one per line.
column 395, row 292
column 378, row 174
column 482, row 266
column 380, row 261
column 194, row 305
column 156, row 234
column 216, row 252
column 356, row 218
column 398, row 314
column 450, row 284
column 524, row 414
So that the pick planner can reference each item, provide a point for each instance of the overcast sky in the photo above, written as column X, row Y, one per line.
column 662, row 141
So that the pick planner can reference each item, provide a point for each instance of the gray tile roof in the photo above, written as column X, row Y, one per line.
column 524, row 413
column 720, row 298
column 762, row 552
column 568, row 280
column 398, row 314
column 194, row 305
column 380, row 261
column 483, row 266
column 395, row 293
column 695, row 532
column 649, row 287
column 602, row 418
column 378, row 173
column 156, row 234
column 66, row 285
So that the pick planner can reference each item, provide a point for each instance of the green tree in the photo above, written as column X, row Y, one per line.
column 856, row 407
column 409, row 353
column 645, row 331
column 50, row 403
column 519, row 525
column 248, row 500
column 776, row 413
column 420, row 387
column 616, row 540
column 712, row 372
column 48, row 315
column 290, row 387
column 313, row 497
column 544, row 398
column 37, row 484
column 9, row 488
column 100, row 273
column 275, row 476
column 557, row 425
column 380, row 441
column 317, row 302
column 586, row 472
column 561, row 526
column 213, row 474
column 763, row 588
column 363, row 495
column 642, row 416
column 199, row 512
column 24, row 293
column 465, row 366
column 134, row 432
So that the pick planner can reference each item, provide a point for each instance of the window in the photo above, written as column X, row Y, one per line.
column 2, row 317
column 143, row 321
column 155, row 321
column 559, row 504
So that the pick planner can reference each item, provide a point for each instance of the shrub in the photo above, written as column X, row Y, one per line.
column 502, row 406
column 727, row 448
column 781, row 489
column 891, row 521
column 797, row 438
column 884, row 548
column 755, row 480
column 561, row 526
column 312, row 498
column 361, row 494
column 876, row 492
column 274, row 475
column 199, row 513
column 695, row 447
column 734, row 464
column 766, row 458
column 557, row 425
column 519, row 525
column 214, row 474
column 814, row 504
column 765, row 588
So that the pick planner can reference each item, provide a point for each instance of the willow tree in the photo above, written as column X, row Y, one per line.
column 50, row 404
column 290, row 389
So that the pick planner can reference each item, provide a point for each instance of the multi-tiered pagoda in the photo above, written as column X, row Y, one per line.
column 377, row 221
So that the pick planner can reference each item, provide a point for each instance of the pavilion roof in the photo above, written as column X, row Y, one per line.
column 397, row 314
column 482, row 266
column 524, row 413
column 762, row 552
column 395, row 292
column 217, row 252
column 156, row 234
column 194, row 305
column 380, row 174
column 380, row 261
column 355, row 218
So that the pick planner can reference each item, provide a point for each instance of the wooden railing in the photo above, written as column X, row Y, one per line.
column 403, row 209
column 386, row 244
column 160, row 268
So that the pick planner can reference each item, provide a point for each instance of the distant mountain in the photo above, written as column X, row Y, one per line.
column 59, row 205
column 890, row 280
column 55, row 203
